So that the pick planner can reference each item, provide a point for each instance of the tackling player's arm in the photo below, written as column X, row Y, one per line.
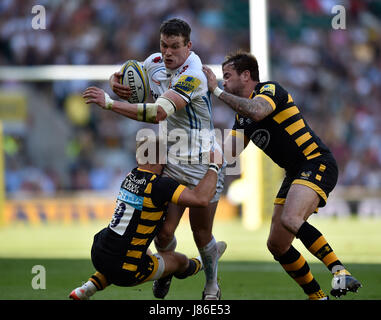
column 168, row 103
column 201, row 195
column 255, row 109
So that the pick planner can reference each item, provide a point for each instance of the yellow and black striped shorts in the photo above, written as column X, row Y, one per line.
column 120, row 269
column 320, row 174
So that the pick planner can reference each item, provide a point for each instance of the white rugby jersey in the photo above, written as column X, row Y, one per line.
column 190, row 131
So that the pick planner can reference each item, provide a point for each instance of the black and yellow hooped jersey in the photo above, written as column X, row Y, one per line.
column 283, row 135
column 141, row 208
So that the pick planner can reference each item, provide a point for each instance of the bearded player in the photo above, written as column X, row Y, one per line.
column 270, row 118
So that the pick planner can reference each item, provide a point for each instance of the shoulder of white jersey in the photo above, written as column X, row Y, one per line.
column 153, row 61
column 195, row 68
column 190, row 83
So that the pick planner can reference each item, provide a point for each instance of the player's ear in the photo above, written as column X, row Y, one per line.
column 189, row 45
column 246, row 75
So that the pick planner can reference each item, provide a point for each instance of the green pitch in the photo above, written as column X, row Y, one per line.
column 246, row 271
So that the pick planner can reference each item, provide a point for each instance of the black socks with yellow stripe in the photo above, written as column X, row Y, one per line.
column 99, row 280
column 298, row 269
column 193, row 267
column 315, row 242
column 296, row 266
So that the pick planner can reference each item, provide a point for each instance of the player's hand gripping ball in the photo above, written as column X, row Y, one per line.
column 134, row 75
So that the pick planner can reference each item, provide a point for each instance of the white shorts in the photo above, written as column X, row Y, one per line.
column 190, row 175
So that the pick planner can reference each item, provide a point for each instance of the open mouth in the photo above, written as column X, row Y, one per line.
column 168, row 61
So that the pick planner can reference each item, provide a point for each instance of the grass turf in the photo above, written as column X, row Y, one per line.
column 247, row 271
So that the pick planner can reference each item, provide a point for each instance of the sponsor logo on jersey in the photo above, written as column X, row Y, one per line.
column 187, row 84
column 157, row 59
column 118, row 214
column 270, row 88
column 305, row 175
column 132, row 199
column 261, row 138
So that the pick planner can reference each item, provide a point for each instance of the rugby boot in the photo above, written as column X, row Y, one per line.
column 343, row 282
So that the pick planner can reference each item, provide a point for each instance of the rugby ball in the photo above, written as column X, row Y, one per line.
column 134, row 75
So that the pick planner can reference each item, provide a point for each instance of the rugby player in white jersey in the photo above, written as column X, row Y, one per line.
column 182, row 101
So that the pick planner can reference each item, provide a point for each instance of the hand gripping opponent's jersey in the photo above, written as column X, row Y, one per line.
column 188, row 130
column 283, row 135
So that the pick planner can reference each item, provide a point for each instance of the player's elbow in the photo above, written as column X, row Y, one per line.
column 257, row 116
column 201, row 201
column 204, row 201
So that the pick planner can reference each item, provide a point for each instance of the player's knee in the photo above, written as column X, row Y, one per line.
column 277, row 248
column 290, row 222
column 166, row 233
column 183, row 262
column 165, row 242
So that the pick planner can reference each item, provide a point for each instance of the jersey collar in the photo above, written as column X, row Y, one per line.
column 144, row 170
column 179, row 70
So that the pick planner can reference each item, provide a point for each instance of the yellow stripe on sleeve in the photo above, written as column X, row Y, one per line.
column 280, row 201
column 268, row 99
column 177, row 193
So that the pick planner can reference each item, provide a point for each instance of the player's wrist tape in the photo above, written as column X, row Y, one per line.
column 108, row 102
column 214, row 167
column 217, row 91
column 147, row 112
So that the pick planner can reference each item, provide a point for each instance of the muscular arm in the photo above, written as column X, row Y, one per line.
column 99, row 97
column 255, row 109
column 201, row 195
column 205, row 190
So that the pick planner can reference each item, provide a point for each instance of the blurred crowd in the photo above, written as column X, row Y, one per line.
column 333, row 75
column 65, row 144
column 106, row 32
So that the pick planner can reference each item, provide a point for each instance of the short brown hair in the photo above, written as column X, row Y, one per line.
column 242, row 61
column 176, row 27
